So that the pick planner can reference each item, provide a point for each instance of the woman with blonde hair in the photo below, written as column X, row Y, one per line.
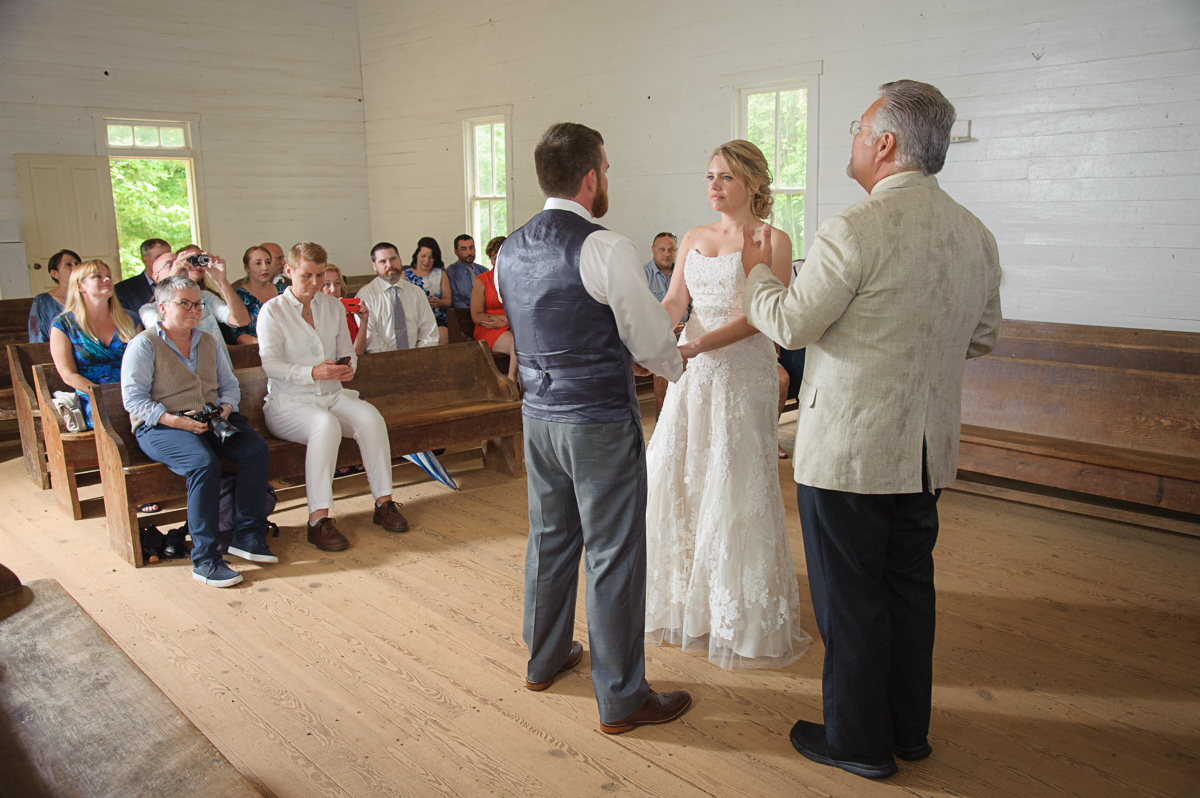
column 334, row 285
column 88, row 339
column 259, row 288
column 720, row 575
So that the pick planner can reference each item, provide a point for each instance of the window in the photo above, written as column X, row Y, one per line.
column 153, row 163
column 487, row 179
column 777, row 119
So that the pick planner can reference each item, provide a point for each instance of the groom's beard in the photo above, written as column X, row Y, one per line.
column 599, row 204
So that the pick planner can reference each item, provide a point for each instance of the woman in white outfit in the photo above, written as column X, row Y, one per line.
column 307, row 352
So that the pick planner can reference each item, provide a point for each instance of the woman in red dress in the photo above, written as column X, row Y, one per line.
column 491, row 324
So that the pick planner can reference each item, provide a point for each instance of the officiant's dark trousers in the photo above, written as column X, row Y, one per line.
column 870, row 570
column 587, row 494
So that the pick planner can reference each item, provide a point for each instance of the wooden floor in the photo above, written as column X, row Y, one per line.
column 1067, row 660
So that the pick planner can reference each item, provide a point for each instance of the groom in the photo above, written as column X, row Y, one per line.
column 581, row 314
column 897, row 292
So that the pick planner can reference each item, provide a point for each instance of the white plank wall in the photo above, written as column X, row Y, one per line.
column 1086, row 115
column 276, row 83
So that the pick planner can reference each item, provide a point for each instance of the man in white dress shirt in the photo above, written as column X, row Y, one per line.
column 387, row 329
column 581, row 314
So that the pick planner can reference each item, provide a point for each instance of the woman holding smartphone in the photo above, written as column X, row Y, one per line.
column 307, row 354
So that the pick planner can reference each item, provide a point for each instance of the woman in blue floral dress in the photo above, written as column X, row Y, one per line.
column 88, row 339
column 258, row 289
column 429, row 274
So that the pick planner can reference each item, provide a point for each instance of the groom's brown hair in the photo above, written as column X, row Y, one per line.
column 564, row 156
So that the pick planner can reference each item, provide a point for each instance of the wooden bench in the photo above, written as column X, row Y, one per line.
column 21, row 359
column 1124, row 442
column 77, row 717
column 14, row 329
column 70, row 453
column 429, row 397
column 460, row 328
column 1116, row 347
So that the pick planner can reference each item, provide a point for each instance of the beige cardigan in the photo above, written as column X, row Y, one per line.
column 897, row 292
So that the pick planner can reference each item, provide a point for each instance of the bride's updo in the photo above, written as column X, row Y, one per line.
column 747, row 163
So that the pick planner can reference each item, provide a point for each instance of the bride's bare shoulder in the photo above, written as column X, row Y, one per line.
column 702, row 239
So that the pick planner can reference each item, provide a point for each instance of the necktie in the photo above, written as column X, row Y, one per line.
column 401, row 321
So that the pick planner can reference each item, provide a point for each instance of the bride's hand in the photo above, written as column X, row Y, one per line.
column 753, row 252
column 689, row 350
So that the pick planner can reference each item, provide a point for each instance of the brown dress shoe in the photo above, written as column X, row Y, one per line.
column 572, row 660
column 659, row 708
column 325, row 536
column 388, row 516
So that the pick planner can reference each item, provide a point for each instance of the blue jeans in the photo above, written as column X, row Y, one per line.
column 194, row 457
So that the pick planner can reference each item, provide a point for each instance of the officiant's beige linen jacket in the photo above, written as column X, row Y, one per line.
column 897, row 292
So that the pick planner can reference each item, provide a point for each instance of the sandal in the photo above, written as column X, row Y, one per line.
column 782, row 454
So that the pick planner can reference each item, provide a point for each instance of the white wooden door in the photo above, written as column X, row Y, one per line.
column 66, row 203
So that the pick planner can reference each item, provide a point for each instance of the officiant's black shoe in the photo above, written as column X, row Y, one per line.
column 572, row 660
column 809, row 740
column 659, row 708
column 913, row 753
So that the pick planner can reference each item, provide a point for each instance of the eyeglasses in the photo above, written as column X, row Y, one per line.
column 856, row 127
column 186, row 304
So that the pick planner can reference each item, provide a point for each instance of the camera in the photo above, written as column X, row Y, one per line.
column 199, row 260
column 210, row 414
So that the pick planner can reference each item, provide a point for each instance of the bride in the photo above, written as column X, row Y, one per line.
column 719, row 570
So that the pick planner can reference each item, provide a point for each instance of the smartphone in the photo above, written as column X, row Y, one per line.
column 352, row 304
column 343, row 361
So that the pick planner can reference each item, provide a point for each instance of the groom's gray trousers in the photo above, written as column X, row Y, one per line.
column 587, row 493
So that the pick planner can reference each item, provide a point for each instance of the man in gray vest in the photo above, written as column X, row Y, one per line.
column 168, row 373
column 581, row 314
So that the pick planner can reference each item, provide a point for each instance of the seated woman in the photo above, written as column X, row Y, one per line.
column 334, row 284
column 491, row 324
column 89, row 338
column 217, row 310
column 171, row 371
column 306, row 352
column 49, row 304
column 258, row 289
column 429, row 274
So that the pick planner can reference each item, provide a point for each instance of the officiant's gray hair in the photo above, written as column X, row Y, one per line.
column 564, row 156
column 920, row 117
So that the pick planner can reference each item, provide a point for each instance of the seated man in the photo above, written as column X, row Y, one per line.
column 167, row 374
column 462, row 272
column 137, row 290
column 658, row 277
column 307, row 354
column 226, row 308
column 399, row 316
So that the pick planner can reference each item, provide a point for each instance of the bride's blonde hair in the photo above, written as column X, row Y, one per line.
column 748, row 165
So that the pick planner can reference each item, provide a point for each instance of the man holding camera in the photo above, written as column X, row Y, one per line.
column 169, row 373
column 208, row 272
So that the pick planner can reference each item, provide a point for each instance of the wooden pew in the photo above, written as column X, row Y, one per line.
column 81, row 719
column 355, row 282
column 14, row 329
column 70, row 453
column 429, row 397
column 1105, row 435
column 1115, row 347
column 22, row 358
column 461, row 328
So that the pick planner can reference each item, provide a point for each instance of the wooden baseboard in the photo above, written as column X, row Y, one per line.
column 1078, row 506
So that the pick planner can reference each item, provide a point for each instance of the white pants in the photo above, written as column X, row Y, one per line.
column 321, row 422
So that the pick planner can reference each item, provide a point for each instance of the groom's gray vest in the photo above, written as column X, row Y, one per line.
column 573, row 365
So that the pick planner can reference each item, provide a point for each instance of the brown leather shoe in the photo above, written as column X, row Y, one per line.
column 659, row 708
column 572, row 660
column 325, row 536
column 388, row 516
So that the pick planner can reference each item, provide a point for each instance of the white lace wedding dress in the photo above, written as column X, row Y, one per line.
column 719, row 571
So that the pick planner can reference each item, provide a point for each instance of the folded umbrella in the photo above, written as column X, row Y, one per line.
column 433, row 467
